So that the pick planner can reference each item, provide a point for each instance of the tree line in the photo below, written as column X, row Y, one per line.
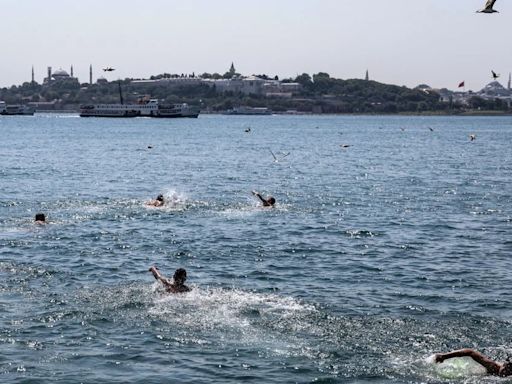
column 320, row 93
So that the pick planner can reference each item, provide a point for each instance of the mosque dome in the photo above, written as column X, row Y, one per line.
column 60, row 73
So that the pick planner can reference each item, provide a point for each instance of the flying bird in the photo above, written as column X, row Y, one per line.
column 344, row 145
column 488, row 7
column 494, row 75
column 108, row 69
column 276, row 160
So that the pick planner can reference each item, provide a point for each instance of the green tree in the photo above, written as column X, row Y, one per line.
column 304, row 79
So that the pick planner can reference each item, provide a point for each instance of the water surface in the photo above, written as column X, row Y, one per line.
column 390, row 241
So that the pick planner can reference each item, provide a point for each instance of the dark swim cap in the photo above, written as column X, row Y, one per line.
column 180, row 273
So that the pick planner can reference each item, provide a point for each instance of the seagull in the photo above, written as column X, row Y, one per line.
column 494, row 75
column 344, row 145
column 276, row 160
column 248, row 130
column 431, row 129
column 488, row 7
column 472, row 137
column 108, row 69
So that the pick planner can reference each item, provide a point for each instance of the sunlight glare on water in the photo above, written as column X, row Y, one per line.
column 389, row 242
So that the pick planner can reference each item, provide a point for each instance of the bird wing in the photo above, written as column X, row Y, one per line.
column 493, row 73
column 489, row 4
column 274, row 156
column 285, row 154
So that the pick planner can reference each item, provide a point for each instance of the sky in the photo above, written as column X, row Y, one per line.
column 403, row 42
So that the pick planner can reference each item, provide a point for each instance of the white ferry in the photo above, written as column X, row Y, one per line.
column 145, row 108
column 249, row 111
column 15, row 109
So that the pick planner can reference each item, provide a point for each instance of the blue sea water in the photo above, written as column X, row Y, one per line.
column 390, row 241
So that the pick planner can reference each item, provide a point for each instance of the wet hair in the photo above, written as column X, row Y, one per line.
column 507, row 368
column 180, row 274
column 271, row 200
column 40, row 217
column 160, row 197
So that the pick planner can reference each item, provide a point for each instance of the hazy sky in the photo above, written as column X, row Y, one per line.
column 404, row 42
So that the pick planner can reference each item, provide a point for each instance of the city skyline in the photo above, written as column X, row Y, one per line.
column 93, row 77
column 398, row 42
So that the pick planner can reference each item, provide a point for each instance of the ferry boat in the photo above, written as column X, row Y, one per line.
column 15, row 109
column 249, row 111
column 145, row 108
column 108, row 110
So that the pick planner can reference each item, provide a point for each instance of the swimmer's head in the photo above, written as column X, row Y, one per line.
column 506, row 370
column 40, row 217
column 160, row 198
column 180, row 276
column 271, row 200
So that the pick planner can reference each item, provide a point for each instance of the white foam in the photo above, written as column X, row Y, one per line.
column 431, row 359
column 459, row 367
column 173, row 201
column 233, row 301
column 235, row 315
column 174, row 198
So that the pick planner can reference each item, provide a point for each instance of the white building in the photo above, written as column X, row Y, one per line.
column 171, row 82
column 250, row 85
column 255, row 86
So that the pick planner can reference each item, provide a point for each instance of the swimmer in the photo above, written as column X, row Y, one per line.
column 158, row 202
column 268, row 202
column 492, row 367
column 178, row 283
column 40, row 218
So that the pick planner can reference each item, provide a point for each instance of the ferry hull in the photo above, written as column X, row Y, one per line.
column 149, row 109
column 127, row 114
column 17, row 110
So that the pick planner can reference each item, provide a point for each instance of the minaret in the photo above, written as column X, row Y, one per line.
column 510, row 81
column 367, row 77
column 90, row 74
column 71, row 72
column 49, row 75
column 33, row 75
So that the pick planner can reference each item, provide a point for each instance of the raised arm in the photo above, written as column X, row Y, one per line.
column 156, row 273
column 260, row 197
column 491, row 366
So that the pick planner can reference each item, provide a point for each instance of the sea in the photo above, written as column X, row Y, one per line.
column 390, row 241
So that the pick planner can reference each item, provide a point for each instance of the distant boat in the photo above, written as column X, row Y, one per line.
column 248, row 111
column 108, row 110
column 147, row 108
column 15, row 109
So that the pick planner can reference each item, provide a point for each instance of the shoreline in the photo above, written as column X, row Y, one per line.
column 462, row 114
